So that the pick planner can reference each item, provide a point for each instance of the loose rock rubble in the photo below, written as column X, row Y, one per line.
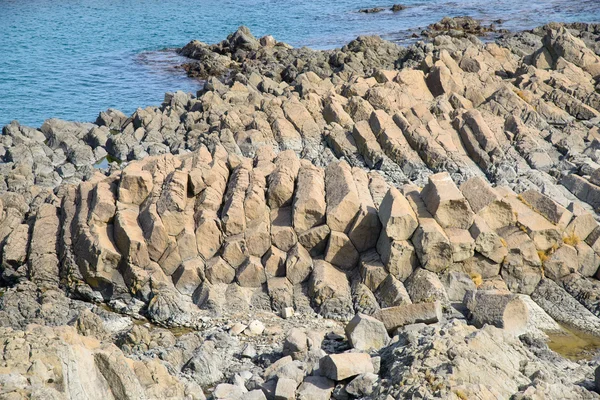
column 367, row 222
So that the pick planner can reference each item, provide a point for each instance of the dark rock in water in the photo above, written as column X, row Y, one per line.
column 371, row 10
column 458, row 27
column 398, row 7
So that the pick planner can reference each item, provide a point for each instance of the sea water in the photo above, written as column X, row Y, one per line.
column 71, row 59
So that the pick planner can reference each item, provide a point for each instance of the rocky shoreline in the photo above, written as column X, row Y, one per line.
column 373, row 221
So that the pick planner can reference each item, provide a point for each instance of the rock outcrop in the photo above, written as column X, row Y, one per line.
column 404, row 190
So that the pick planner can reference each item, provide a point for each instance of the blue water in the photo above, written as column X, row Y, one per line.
column 71, row 59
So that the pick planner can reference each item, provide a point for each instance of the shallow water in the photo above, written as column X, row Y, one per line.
column 574, row 345
column 70, row 60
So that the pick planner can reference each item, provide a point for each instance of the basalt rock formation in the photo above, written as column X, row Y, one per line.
column 409, row 191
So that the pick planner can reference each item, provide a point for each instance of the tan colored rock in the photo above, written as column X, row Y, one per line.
column 397, row 217
column 580, row 227
column 407, row 314
column 188, row 276
column 399, row 256
column 425, row 287
column 315, row 239
column 171, row 205
column 487, row 241
column 366, row 228
column 234, row 250
column 42, row 258
column 481, row 265
column 309, row 205
column 135, row 184
column 274, row 262
column 487, row 203
column 463, row 245
column 286, row 135
column 341, row 252
column 391, row 293
column 501, row 309
column 258, row 236
column 16, row 246
column 343, row 203
column 283, row 235
column 129, row 238
column 233, row 217
column 330, row 291
column 446, row 203
column 342, row 366
column 547, row 207
column 208, row 235
column 432, row 246
column 281, row 293
column 588, row 260
column 367, row 144
column 282, row 180
column 372, row 271
column 561, row 263
column 366, row 333
column 298, row 115
column 544, row 234
column 251, row 273
column 218, row 271
column 334, row 112
column 298, row 264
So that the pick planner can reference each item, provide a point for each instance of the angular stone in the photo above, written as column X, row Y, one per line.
column 135, row 184
column 218, row 271
column 457, row 284
column 315, row 388
column 366, row 333
column 274, row 262
column 487, row 241
column 432, row 245
column 407, row 314
column 425, row 286
column 501, row 309
column 487, row 203
column 446, row 203
column 367, row 144
column 208, row 236
column 251, row 273
column 547, row 207
column 281, row 293
column 561, row 263
column 544, row 234
column 188, row 276
column 341, row 252
column 463, row 245
column 372, row 270
column 330, row 291
column 285, row 389
column 315, row 239
column 397, row 216
column 342, row 366
column 580, row 227
column 258, row 236
column 283, row 235
column 342, row 198
column 309, row 201
column 298, row 264
column 282, row 180
column 398, row 256
column 366, row 228
column 234, row 250
column 392, row 293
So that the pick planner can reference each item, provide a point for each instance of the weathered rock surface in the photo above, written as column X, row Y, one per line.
column 372, row 181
